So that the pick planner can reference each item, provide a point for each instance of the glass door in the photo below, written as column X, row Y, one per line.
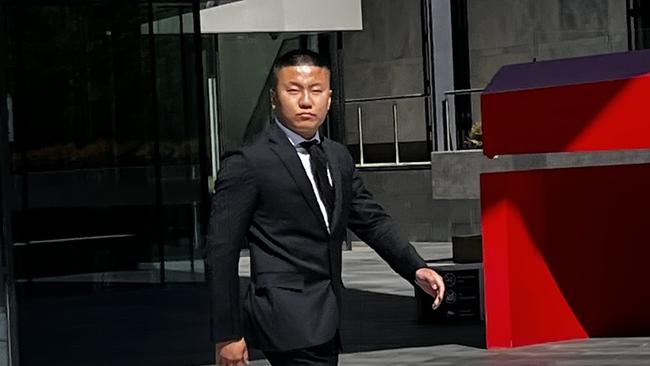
column 120, row 112
column 108, row 182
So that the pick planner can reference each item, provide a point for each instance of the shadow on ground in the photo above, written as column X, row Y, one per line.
column 374, row 321
column 136, row 324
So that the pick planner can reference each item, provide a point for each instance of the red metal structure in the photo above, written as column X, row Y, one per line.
column 566, row 250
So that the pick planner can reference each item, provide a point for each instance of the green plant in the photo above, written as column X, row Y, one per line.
column 475, row 138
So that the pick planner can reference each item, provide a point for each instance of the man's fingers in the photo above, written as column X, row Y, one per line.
column 439, row 290
column 437, row 301
column 436, row 284
column 225, row 362
column 432, row 284
column 232, row 363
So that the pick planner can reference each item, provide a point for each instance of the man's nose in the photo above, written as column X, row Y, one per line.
column 305, row 100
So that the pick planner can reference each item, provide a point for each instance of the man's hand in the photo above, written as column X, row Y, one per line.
column 231, row 353
column 432, row 284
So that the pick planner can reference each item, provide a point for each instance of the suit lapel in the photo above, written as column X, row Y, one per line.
column 289, row 157
column 335, row 171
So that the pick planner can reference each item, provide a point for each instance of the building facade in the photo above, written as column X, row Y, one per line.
column 114, row 116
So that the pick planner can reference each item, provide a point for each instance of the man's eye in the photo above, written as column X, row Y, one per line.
column 317, row 91
column 293, row 91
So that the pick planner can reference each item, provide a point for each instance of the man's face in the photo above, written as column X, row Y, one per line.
column 302, row 98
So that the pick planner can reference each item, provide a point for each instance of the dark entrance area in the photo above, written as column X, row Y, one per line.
column 117, row 114
column 106, row 186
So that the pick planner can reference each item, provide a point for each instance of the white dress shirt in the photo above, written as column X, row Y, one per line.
column 303, row 154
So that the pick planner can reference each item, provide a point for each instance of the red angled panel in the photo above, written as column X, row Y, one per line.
column 565, row 254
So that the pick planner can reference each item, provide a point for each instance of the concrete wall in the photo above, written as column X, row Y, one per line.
column 504, row 32
column 406, row 194
column 385, row 59
column 513, row 31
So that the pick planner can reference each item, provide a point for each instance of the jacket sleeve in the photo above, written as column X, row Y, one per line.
column 372, row 224
column 232, row 208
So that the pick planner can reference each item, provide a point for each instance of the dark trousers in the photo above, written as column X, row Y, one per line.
column 326, row 354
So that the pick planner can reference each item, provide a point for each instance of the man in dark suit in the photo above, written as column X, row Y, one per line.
column 292, row 194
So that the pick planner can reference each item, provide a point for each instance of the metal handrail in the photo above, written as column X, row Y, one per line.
column 395, row 165
column 395, row 116
column 447, row 113
column 389, row 97
column 463, row 91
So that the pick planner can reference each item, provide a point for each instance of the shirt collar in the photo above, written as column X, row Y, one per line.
column 293, row 137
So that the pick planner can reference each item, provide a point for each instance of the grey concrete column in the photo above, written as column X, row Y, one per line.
column 443, row 62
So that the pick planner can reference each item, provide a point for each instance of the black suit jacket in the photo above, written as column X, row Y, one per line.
column 294, row 298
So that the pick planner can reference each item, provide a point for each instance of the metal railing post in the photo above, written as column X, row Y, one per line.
column 446, row 124
column 395, row 131
column 359, row 117
column 395, row 112
column 448, row 134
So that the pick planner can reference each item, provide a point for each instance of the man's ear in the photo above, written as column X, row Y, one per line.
column 274, row 98
column 329, row 100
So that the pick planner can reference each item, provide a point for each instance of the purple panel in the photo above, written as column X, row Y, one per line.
column 579, row 70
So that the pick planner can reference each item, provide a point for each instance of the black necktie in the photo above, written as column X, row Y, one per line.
column 318, row 161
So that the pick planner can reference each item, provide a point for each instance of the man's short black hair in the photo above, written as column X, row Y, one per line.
column 297, row 58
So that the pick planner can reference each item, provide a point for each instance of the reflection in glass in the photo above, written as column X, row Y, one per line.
column 106, row 169
column 244, row 79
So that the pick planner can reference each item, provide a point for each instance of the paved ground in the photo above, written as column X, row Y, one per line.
column 594, row 352
column 392, row 339
column 145, row 324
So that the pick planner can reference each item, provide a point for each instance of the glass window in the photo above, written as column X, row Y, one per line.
column 108, row 185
